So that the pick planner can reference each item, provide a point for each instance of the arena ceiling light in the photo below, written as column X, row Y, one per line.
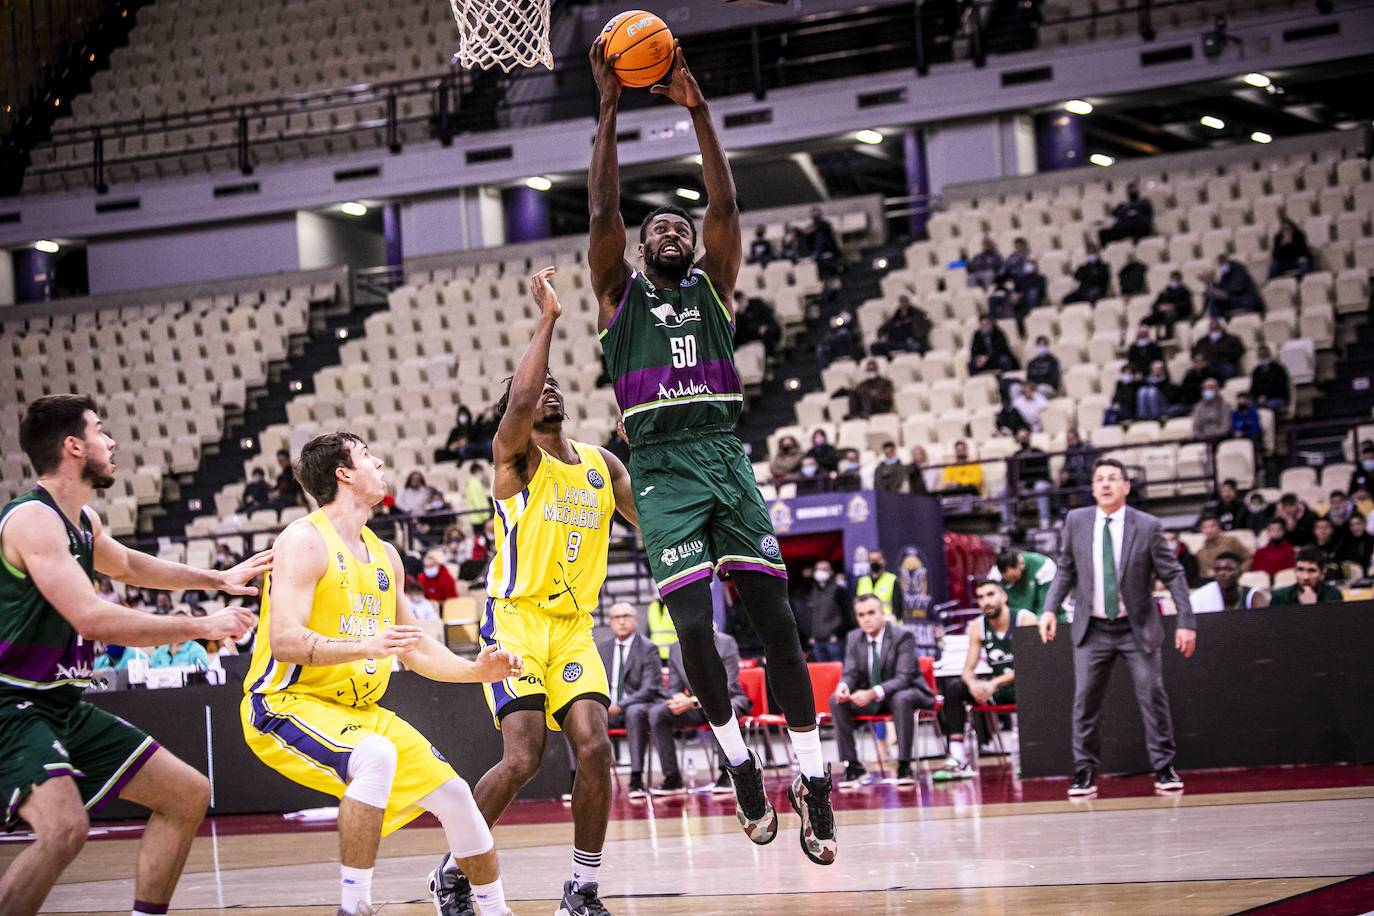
column 47, row 246
column 1258, row 80
column 689, row 194
column 539, row 183
column 871, row 137
column 1078, row 107
column 353, row 208
column 1212, row 122
column 1101, row 159
column 1260, row 136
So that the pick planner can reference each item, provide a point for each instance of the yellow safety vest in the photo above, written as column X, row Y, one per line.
column 662, row 633
column 887, row 584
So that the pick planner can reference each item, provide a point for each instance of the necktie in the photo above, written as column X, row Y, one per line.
column 873, row 668
column 1111, row 603
column 620, row 672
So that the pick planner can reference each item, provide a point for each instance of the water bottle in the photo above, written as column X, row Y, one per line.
column 971, row 745
column 690, row 774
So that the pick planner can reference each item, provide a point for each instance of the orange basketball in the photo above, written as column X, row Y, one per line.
column 644, row 44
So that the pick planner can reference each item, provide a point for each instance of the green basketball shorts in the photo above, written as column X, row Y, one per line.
column 700, row 511
column 42, row 740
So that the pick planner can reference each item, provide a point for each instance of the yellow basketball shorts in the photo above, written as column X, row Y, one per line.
column 561, row 661
column 308, row 740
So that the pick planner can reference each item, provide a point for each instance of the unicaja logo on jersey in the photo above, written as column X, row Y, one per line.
column 669, row 317
column 668, row 557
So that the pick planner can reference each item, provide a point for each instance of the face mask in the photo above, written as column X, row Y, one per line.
column 1225, row 268
column 1042, row 350
column 1028, row 269
column 808, row 470
column 1208, row 395
column 431, row 571
column 1142, row 341
column 818, row 441
column 822, row 577
column 850, row 466
column 892, row 460
column 875, row 568
column 462, row 418
column 1092, row 259
column 1214, row 335
column 1173, row 284
column 1367, row 464
column 1125, row 377
column 872, row 373
column 1265, row 362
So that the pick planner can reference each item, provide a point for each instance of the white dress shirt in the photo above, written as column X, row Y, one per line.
column 615, row 661
column 1118, row 522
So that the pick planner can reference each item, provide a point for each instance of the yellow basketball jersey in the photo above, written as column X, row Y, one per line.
column 552, row 536
column 352, row 599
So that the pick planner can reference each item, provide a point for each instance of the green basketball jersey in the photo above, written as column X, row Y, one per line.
column 998, row 648
column 39, row 649
column 671, row 355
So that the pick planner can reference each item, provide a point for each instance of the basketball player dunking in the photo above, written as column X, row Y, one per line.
column 667, row 334
column 331, row 622
column 554, row 500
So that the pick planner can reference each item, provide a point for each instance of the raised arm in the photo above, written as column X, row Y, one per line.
column 606, row 251
column 620, row 486
column 35, row 543
column 513, row 453
column 720, row 231
column 302, row 560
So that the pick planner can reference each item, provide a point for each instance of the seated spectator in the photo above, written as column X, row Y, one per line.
column 962, row 476
column 823, row 452
column 287, row 491
column 1257, row 513
column 1224, row 592
column 1245, row 422
column 825, row 613
column 786, row 461
column 1092, row 276
column 881, row 675
column 1133, row 218
column 1017, row 291
column 990, row 351
column 682, row 710
column 1029, row 402
column 984, row 266
column 1154, row 397
column 755, row 320
column 890, row 474
column 1310, row 587
column 1185, row 558
column 822, row 244
column 256, row 493
column 635, row 679
column 1009, row 421
column 416, row 496
column 791, row 243
column 1125, row 397
column 187, row 652
column 814, row 478
column 872, row 395
column 907, row 331
column 1130, row 279
column 1014, row 262
column 1275, row 554
column 1362, row 501
column 1358, row 546
column 435, row 579
column 1230, row 290
column 1297, row 521
column 842, row 339
column 916, row 472
column 162, row 603
column 1269, row 383
column 1043, row 369
column 105, row 590
column 1173, row 304
column 419, row 605
column 847, row 474
column 1143, row 351
column 1326, row 540
column 1227, row 506
column 1077, row 469
column 1339, row 509
column 1030, row 468
column 460, row 443
column 760, row 249
column 1215, row 541
column 478, row 493
column 1222, row 350
column 1212, row 415
column 1290, row 253
column 1362, row 478
column 1189, row 390
column 989, row 634
column 118, row 657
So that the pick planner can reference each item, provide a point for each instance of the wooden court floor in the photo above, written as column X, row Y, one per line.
column 1239, row 840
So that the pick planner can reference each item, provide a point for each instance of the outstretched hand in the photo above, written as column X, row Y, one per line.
column 544, row 296
column 495, row 664
column 235, row 580
column 603, row 70
column 682, row 88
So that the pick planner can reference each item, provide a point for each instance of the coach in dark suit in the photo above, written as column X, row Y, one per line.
column 636, row 682
column 1114, row 614
column 881, row 675
column 681, row 710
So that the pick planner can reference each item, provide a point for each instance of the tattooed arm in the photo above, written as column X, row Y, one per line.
column 301, row 560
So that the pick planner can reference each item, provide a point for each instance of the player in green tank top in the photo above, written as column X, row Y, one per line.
column 667, row 336
column 61, row 756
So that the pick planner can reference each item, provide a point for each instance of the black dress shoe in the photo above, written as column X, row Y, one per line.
column 1084, row 783
column 1167, row 779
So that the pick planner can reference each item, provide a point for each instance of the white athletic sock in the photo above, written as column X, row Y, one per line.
column 585, row 867
column 956, row 750
column 357, row 887
column 731, row 741
column 491, row 898
column 807, row 746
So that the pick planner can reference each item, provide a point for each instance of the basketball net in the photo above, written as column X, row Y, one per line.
column 502, row 33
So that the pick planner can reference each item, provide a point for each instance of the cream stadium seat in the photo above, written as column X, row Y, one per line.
column 1236, row 460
